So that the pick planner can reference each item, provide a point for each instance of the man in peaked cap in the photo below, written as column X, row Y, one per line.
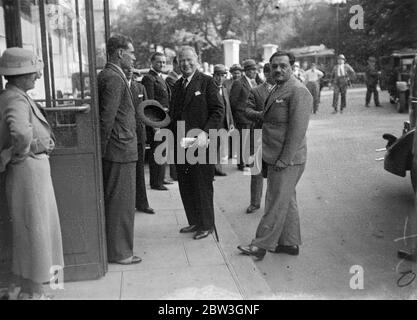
column 236, row 71
column 219, row 77
column 238, row 100
column 341, row 75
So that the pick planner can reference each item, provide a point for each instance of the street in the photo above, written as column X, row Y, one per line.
column 352, row 211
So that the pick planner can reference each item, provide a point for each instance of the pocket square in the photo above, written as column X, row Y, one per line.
column 198, row 93
column 140, row 96
column 279, row 101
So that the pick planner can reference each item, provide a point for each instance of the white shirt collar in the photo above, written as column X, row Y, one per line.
column 158, row 73
column 249, row 80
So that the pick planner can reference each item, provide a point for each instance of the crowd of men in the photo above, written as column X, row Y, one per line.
column 277, row 103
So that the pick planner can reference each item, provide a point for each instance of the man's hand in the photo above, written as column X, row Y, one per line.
column 202, row 141
column 280, row 166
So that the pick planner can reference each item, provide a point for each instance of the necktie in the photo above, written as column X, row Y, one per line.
column 184, row 84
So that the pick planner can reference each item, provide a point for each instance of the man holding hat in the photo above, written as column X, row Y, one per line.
column 371, row 80
column 219, row 77
column 236, row 72
column 238, row 101
column 340, row 78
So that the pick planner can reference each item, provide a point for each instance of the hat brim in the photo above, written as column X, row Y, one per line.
column 153, row 114
column 4, row 71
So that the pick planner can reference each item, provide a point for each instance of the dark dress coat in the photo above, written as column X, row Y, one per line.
column 200, row 107
column 239, row 95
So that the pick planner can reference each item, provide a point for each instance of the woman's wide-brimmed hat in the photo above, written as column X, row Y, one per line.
column 18, row 61
column 153, row 114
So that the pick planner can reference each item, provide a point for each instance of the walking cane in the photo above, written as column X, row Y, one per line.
column 216, row 234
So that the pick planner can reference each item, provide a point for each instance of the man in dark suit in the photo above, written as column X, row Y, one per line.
column 285, row 122
column 139, row 95
column 236, row 72
column 238, row 101
column 219, row 77
column 196, row 103
column 120, row 150
column 254, row 112
column 158, row 90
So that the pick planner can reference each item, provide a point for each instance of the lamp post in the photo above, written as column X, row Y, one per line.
column 337, row 3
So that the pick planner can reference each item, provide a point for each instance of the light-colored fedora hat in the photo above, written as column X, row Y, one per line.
column 153, row 114
column 18, row 61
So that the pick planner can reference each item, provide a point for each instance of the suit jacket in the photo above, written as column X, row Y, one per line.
column 157, row 88
column 139, row 95
column 228, row 121
column 238, row 100
column 117, row 116
column 200, row 106
column 172, row 78
column 256, row 104
column 24, row 131
column 286, row 118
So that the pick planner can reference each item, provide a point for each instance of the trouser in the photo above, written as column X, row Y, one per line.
column 314, row 88
column 342, row 91
column 372, row 89
column 281, row 223
column 222, row 154
column 245, row 145
column 141, row 196
column 119, row 201
column 156, row 171
column 256, row 189
column 197, row 192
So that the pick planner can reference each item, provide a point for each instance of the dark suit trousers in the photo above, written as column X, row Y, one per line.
column 196, row 188
column 119, row 200
column 256, row 189
column 156, row 171
column 372, row 90
column 245, row 130
column 141, row 197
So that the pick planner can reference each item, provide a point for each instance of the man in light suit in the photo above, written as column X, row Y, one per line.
column 341, row 76
column 158, row 90
column 119, row 147
column 238, row 100
column 254, row 112
column 285, row 122
column 219, row 77
column 196, row 103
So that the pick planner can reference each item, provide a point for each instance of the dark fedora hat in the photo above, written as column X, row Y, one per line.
column 153, row 114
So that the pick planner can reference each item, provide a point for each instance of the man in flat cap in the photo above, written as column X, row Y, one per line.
column 219, row 77
column 238, row 101
column 340, row 78
column 371, row 80
column 236, row 71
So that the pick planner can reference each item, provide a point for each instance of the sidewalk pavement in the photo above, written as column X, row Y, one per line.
column 175, row 266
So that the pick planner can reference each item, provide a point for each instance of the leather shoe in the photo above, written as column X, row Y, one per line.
column 147, row 210
column 290, row 250
column 253, row 251
column 130, row 261
column 221, row 174
column 241, row 168
column 202, row 234
column 189, row 229
column 166, row 182
column 407, row 256
column 160, row 188
column 252, row 209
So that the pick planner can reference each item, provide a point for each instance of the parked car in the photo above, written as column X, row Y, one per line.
column 401, row 155
column 395, row 77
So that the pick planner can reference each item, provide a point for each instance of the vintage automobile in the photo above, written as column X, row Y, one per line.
column 396, row 77
column 400, row 156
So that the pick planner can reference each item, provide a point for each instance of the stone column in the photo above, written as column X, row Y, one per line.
column 269, row 50
column 231, row 52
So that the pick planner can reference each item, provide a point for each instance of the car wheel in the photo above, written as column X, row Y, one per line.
column 402, row 105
